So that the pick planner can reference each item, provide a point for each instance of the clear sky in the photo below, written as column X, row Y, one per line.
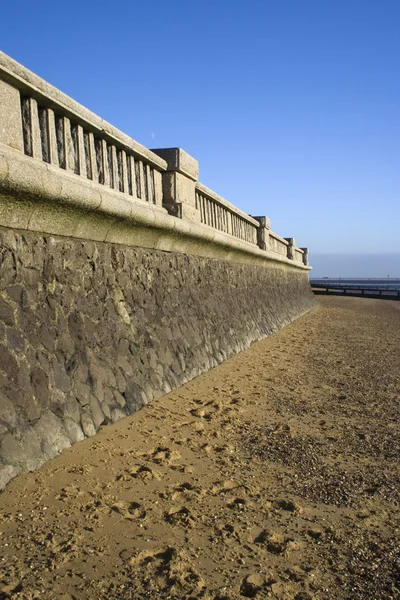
column 291, row 107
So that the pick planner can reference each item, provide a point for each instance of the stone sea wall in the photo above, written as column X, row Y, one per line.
column 91, row 332
column 122, row 276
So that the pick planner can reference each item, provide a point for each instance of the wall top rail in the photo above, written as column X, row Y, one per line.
column 34, row 86
column 202, row 189
column 279, row 238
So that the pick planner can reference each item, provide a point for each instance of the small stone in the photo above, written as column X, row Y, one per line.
column 73, row 430
column 97, row 413
column 119, row 399
column 87, row 425
column 16, row 340
column 8, row 363
column 117, row 414
column 7, row 411
column 6, row 312
column 15, row 292
column 106, row 410
column 82, row 393
column 49, row 429
column 61, row 379
column 40, row 385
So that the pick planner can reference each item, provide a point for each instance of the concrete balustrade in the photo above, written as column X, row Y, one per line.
column 217, row 212
column 109, row 186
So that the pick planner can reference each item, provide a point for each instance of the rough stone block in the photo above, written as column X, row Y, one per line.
column 7, row 412
column 73, row 430
column 97, row 413
column 6, row 312
column 87, row 425
column 8, row 363
column 49, row 429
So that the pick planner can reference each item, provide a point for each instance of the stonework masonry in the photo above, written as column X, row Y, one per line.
column 91, row 332
column 121, row 276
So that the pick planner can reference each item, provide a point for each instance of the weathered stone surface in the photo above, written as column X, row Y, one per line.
column 15, row 340
column 87, row 425
column 97, row 413
column 25, row 453
column 8, row 363
column 7, row 412
column 7, row 472
column 49, row 429
column 40, row 385
column 6, row 312
column 93, row 333
column 73, row 431
column 61, row 379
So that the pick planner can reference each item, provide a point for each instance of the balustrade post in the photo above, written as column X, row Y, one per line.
column 305, row 256
column 291, row 248
column 10, row 117
column 263, row 232
column 179, row 183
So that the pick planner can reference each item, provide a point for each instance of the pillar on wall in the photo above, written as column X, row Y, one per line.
column 10, row 117
column 179, row 183
column 291, row 248
column 263, row 232
column 305, row 256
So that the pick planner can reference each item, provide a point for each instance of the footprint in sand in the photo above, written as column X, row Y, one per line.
column 167, row 571
column 275, row 543
column 69, row 492
column 228, row 532
column 238, row 504
column 163, row 455
column 252, row 585
column 222, row 487
column 129, row 510
column 139, row 472
column 180, row 516
column 289, row 506
column 94, row 509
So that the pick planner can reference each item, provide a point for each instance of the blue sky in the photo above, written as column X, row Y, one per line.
column 291, row 107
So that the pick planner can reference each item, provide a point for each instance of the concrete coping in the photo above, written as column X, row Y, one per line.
column 180, row 161
column 202, row 189
column 35, row 87
column 36, row 196
column 279, row 238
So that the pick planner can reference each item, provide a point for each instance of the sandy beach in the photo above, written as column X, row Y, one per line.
column 275, row 475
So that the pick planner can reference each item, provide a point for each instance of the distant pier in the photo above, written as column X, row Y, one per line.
column 386, row 288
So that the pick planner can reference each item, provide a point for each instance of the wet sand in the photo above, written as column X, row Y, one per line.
column 275, row 475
